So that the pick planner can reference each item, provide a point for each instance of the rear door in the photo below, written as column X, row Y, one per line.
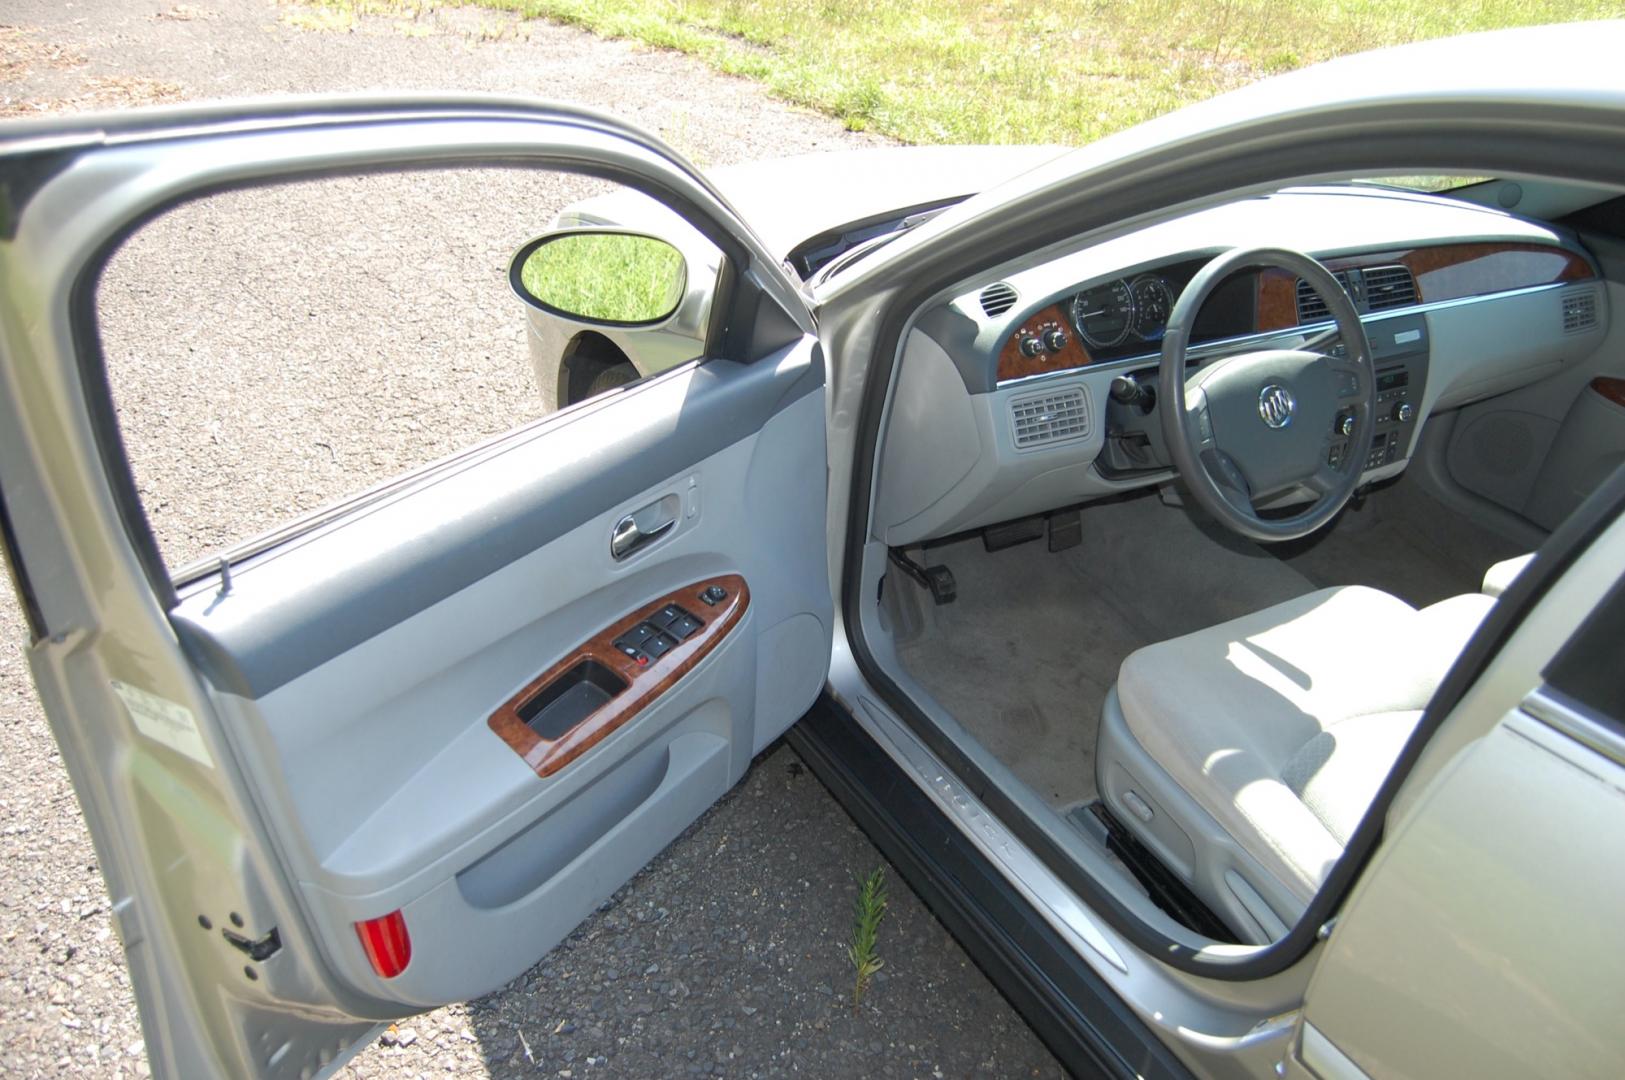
column 386, row 757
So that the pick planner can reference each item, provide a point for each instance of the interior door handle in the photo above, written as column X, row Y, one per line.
column 629, row 536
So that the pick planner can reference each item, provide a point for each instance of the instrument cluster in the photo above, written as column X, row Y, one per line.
column 1114, row 313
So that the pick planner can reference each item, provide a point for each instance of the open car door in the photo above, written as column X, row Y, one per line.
column 387, row 760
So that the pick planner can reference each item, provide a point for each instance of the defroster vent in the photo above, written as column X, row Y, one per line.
column 997, row 298
column 1052, row 417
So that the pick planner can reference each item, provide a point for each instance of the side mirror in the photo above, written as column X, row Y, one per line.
column 601, row 276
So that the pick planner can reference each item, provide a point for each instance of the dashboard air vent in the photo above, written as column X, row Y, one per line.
column 1052, row 417
column 1311, row 308
column 1388, row 287
column 1579, row 311
column 997, row 298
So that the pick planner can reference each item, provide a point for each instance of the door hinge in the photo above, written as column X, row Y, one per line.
column 256, row 950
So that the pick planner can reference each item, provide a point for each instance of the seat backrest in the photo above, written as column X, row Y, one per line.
column 1337, row 772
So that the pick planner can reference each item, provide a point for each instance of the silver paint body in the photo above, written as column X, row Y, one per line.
column 276, row 840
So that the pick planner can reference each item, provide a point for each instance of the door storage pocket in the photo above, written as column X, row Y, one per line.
column 545, row 848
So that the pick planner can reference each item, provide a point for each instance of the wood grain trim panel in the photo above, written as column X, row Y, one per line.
column 1442, row 272
column 644, row 684
column 1610, row 388
column 1277, row 306
column 1013, row 364
column 1457, row 271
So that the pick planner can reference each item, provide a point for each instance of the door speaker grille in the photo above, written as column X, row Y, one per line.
column 1050, row 418
column 1579, row 311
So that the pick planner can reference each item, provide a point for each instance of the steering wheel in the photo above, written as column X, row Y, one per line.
column 1259, row 424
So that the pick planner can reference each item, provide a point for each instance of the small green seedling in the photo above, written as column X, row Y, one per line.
column 867, row 912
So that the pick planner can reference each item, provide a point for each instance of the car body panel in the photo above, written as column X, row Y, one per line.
column 298, row 741
column 791, row 202
column 103, row 613
column 1475, row 941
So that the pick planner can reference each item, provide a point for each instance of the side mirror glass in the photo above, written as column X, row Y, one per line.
column 620, row 278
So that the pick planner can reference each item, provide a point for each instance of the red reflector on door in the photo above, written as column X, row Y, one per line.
column 388, row 948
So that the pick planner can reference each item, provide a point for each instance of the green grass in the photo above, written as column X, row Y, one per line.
column 1062, row 71
column 867, row 911
column 609, row 276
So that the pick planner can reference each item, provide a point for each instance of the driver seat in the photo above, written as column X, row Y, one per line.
column 1245, row 754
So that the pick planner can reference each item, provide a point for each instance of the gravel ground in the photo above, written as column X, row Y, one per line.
column 723, row 957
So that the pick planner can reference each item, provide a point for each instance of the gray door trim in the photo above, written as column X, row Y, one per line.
column 341, row 586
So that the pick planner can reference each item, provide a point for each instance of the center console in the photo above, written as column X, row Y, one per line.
column 1399, row 347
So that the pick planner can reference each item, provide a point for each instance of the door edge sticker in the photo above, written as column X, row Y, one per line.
column 163, row 721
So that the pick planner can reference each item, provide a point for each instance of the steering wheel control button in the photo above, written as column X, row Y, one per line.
column 1276, row 406
column 1347, row 384
column 714, row 595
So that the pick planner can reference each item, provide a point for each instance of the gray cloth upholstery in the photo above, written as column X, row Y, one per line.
column 1282, row 724
column 1499, row 578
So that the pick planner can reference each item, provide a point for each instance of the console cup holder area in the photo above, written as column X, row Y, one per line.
column 570, row 699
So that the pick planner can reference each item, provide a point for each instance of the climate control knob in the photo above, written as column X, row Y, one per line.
column 1345, row 424
column 1030, row 345
column 1054, row 339
column 1404, row 411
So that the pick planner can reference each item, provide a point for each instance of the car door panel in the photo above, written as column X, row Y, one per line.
column 301, row 740
column 396, row 782
column 487, row 509
column 1587, row 448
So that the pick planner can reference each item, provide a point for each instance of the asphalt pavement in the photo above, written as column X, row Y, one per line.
column 726, row 955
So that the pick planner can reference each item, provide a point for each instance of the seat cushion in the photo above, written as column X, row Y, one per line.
column 1337, row 773
column 1225, row 711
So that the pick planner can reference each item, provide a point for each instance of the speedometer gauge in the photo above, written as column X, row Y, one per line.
column 1152, row 302
column 1104, row 315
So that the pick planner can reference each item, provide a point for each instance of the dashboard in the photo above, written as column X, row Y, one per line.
column 1126, row 316
column 1004, row 405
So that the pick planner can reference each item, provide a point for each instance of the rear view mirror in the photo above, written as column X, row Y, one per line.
column 621, row 278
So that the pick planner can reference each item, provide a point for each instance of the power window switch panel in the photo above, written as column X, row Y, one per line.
column 638, row 655
column 637, row 635
column 666, row 616
column 659, row 646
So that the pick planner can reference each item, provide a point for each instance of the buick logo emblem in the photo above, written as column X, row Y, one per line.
column 1275, row 405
